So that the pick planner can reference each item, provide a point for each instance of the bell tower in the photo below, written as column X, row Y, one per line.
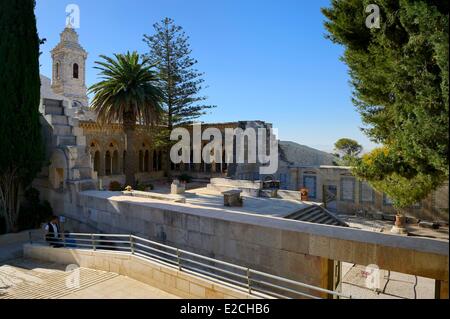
column 69, row 68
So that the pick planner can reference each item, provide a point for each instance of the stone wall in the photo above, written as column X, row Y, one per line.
column 158, row 275
column 291, row 249
column 353, row 195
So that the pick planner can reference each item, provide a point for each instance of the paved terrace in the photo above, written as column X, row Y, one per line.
column 207, row 199
column 31, row 279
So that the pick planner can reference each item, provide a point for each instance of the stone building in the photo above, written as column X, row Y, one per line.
column 69, row 68
column 72, row 132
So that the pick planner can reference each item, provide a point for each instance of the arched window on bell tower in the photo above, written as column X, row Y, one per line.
column 57, row 71
column 75, row 71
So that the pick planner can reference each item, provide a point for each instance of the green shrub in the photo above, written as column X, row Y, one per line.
column 33, row 211
column 140, row 187
column 144, row 187
column 2, row 226
column 185, row 178
column 115, row 186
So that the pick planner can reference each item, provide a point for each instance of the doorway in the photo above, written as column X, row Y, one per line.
column 330, row 197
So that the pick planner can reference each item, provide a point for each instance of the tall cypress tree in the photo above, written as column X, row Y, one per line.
column 21, row 147
column 399, row 73
column 181, row 82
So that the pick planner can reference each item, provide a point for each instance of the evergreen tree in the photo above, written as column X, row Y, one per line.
column 347, row 150
column 399, row 73
column 181, row 82
column 22, row 151
column 348, row 147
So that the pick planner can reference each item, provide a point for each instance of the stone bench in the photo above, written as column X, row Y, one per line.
column 232, row 198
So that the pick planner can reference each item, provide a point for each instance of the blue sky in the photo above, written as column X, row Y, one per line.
column 264, row 60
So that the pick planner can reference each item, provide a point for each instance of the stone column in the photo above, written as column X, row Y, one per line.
column 441, row 289
column 101, row 169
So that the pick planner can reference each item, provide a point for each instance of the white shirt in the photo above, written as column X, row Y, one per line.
column 55, row 230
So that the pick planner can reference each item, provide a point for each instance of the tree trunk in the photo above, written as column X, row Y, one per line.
column 167, row 163
column 130, row 168
column 9, row 199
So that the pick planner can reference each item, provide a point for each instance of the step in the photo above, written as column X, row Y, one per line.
column 54, row 110
column 308, row 216
column 301, row 212
column 61, row 129
column 66, row 140
column 325, row 218
column 319, row 216
column 85, row 172
column 83, row 160
column 51, row 102
column 87, row 184
column 58, row 119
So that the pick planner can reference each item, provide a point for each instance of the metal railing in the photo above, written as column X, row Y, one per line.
column 252, row 281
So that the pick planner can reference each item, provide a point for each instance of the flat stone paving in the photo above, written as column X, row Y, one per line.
column 30, row 279
column 392, row 285
column 204, row 198
column 384, row 226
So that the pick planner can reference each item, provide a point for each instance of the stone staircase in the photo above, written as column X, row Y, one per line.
column 316, row 214
column 67, row 136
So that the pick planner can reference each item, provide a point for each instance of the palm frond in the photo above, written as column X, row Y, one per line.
column 129, row 88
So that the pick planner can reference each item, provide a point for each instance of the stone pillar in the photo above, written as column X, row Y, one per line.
column 119, row 162
column 101, row 169
column 150, row 161
column 441, row 289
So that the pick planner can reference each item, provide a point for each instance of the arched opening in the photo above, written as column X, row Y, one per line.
column 141, row 161
column 97, row 161
column 146, row 161
column 108, row 164
column 124, row 161
column 155, row 161
column 115, row 163
column 57, row 71
column 159, row 160
column 75, row 71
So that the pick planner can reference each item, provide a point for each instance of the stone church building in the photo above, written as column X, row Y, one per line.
column 82, row 151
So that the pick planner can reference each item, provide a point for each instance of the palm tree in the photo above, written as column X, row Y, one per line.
column 128, row 93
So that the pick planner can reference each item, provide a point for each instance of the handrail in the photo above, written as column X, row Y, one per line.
column 255, row 282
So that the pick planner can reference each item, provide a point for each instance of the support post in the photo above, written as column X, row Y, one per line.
column 179, row 260
column 93, row 242
column 249, row 282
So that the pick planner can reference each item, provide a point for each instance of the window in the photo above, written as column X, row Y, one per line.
column 75, row 71
column 310, row 183
column 96, row 161
column 155, row 161
column 108, row 164
column 366, row 193
column 141, row 161
column 386, row 200
column 146, row 161
column 115, row 163
column 348, row 189
column 57, row 70
column 124, row 161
